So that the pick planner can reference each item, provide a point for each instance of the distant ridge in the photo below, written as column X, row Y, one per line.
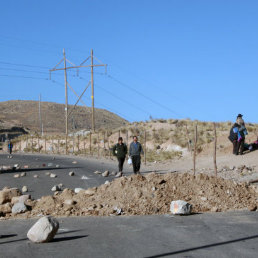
column 25, row 114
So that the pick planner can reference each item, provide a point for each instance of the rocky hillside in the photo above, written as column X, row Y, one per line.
column 26, row 114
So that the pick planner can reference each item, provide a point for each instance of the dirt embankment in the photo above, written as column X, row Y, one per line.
column 146, row 195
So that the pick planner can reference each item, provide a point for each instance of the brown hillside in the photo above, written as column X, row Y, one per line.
column 25, row 113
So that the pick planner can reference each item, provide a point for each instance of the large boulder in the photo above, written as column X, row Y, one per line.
column 44, row 230
column 6, row 195
column 22, row 198
column 180, row 207
column 5, row 208
column 19, row 207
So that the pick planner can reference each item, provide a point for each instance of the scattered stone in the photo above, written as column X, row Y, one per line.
column 77, row 190
column 113, row 173
column 71, row 173
column 23, row 174
column 89, row 192
column 26, row 166
column 19, row 207
column 105, row 174
column 47, row 173
column 16, row 165
column 24, row 189
column 7, row 195
column 214, row 209
column 22, row 198
column 119, row 174
column 118, row 211
column 53, row 175
column 44, row 230
column 84, row 178
column 55, row 188
column 107, row 182
column 35, row 176
column 180, row 207
column 69, row 202
column 74, row 162
column 16, row 176
column 252, row 207
column 97, row 172
column 5, row 208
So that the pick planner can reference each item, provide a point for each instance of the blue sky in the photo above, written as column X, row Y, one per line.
column 166, row 59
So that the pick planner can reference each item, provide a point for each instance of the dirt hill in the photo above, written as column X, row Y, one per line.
column 26, row 114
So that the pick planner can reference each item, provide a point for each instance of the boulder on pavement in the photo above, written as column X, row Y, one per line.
column 53, row 175
column 55, row 188
column 77, row 190
column 24, row 189
column 44, row 230
column 23, row 174
column 19, row 207
column 180, row 207
column 71, row 173
column 105, row 174
column 6, row 195
column 97, row 172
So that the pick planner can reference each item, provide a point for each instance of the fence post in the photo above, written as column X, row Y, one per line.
column 45, row 144
column 84, row 148
column 195, row 147
column 32, row 144
column 188, row 139
column 58, row 145
column 66, row 144
column 145, row 147
column 38, row 145
column 98, row 144
column 73, row 143
column 78, row 143
column 90, row 144
column 215, row 150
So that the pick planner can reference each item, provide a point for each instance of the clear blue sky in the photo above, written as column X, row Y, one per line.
column 186, row 59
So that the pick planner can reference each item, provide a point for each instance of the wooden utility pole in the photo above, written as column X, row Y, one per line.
column 40, row 118
column 92, row 96
column 92, row 65
column 66, row 103
column 215, row 150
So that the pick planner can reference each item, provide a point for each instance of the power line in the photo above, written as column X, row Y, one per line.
column 25, row 77
column 8, row 63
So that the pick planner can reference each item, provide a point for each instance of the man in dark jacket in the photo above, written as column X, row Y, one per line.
column 120, row 151
column 135, row 152
column 237, row 135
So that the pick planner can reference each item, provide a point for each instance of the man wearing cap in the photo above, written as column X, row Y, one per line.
column 237, row 135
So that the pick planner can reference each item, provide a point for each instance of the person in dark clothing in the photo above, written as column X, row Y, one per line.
column 135, row 152
column 120, row 151
column 10, row 147
column 237, row 135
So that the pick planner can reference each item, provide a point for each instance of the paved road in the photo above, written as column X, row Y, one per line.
column 203, row 235
column 42, row 185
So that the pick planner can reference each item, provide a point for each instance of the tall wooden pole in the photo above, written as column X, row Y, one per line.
column 145, row 147
column 66, row 103
column 215, row 150
column 92, row 95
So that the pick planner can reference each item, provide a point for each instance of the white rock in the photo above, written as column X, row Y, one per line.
column 105, row 174
column 16, row 176
column 47, row 173
column 19, row 207
column 35, row 176
column 55, row 188
column 24, row 189
column 69, row 202
column 180, row 207
column 71, row 173
column 107, row 182
column 77, row 190
column 23, row 174
column 53, row 175
column 74, row 162
column 44, row 230
column 22, row 198
column 57, row 166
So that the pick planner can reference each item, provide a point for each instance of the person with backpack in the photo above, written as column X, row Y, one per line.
column 135, row 152
column 237, row 135
column 120, row 151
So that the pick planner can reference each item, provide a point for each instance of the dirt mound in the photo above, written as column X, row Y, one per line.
column 150, row 194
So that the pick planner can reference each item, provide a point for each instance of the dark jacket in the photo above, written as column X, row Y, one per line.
column 233, row 136
column 120, row 150
column 135, row 149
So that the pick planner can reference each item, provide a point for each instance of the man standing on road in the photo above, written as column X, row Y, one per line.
column 10, row 147
column 135, row 152
column 120, row 151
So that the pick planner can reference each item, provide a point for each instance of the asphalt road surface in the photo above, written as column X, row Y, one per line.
column 202, row 235
column 232, row 234
column 40, row 164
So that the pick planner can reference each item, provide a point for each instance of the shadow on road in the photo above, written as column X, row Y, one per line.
column 204, row 246
column 60, row 239
column 7, row 236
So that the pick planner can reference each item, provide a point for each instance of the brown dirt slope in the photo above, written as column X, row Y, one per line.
column 25, row 114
